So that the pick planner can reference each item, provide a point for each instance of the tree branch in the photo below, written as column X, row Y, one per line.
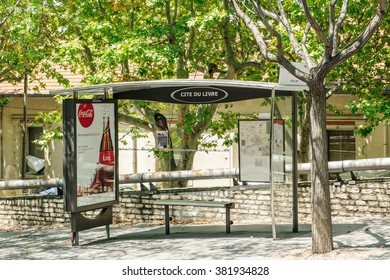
column 362, row 39
column 254, row 64
column 334, row 27
column 175, row 12
column 183, row 110
column 332, row 20
column 191, row 39
column 3, row 73
column 260, row 12
column 135, row 121
column 168, row 11
column 231, row 56
column 2, row 22
column 202, row 124
column 280, row 58
column 102, row 10
column 255, row 30
column 313, row 22
column 294, row 42
column 309, row 62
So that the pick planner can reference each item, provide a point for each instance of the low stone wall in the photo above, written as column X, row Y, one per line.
column 32, row 210
column 252, row 205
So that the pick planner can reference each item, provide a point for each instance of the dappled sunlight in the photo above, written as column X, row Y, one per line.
column 191, row 242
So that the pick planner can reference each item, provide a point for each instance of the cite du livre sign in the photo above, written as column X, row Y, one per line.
column 91, row 155
column 199, row 95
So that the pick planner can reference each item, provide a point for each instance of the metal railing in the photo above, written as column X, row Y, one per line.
column 150, row 177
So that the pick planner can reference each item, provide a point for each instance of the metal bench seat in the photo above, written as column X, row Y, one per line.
column 195, row 203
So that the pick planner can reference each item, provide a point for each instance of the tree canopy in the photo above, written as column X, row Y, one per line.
column 28, row 33
column 113, row 41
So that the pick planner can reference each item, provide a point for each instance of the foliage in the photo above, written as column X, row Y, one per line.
column 224, row 123
column 4, row 101
column 52, row 129
column 367, row 76
column 113, row 41
column 27, row 36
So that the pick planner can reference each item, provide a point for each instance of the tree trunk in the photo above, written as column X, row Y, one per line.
column 322, row 236
column 186, row 158
column 304, row 143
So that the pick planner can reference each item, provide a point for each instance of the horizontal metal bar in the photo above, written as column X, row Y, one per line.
column 179, row 175
column 31, row 184
column 147, row 177
column 206, row 174
column 347, row 165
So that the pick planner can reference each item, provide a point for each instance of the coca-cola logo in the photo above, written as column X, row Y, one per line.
column 86, row 114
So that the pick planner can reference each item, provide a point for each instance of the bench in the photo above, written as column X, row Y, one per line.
column 196, row 203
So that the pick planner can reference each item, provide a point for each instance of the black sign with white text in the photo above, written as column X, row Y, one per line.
column 198, row 95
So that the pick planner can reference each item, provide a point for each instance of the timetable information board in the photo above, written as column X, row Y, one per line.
column 255, row 151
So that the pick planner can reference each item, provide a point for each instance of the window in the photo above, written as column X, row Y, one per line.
column 341, row 145
column 34, row 149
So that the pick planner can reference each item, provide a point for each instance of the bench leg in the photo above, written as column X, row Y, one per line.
column 167, row 231
column 227, row 220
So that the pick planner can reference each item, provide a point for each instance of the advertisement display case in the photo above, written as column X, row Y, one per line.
column 90, row 163
column 90, row 160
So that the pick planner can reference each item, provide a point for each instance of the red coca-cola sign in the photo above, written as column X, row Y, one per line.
column 86, row 114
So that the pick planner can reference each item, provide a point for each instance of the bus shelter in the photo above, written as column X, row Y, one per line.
column 208, row 92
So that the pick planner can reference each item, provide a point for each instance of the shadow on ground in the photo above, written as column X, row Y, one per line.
column 187, row 242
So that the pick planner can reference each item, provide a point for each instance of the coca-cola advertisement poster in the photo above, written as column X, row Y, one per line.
column 94, row 153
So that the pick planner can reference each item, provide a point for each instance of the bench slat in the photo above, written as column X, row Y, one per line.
column 179, row 202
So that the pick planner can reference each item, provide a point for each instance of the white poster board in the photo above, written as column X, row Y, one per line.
column 255, row 152
column 96, row 152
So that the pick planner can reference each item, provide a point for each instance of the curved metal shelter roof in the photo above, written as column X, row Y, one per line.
column 187, row 91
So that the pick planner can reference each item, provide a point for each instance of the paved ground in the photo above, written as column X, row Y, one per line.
column 355, row 240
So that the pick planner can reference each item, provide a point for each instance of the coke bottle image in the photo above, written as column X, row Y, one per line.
column 106, row 159
column 103, row 179
column 106, row 155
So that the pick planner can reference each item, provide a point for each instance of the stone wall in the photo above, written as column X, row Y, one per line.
column 252, row 205
column 32, row 210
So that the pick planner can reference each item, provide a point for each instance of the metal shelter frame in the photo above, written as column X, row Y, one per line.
column 183, row 91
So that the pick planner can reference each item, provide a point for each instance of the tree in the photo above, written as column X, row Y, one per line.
column 110, row 41
column 27, row 36
column 329, row 34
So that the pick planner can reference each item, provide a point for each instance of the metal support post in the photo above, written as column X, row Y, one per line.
column 167, row 220
column 271, row 164
column 295, row 161
column 228, row 223
column 108, row 231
